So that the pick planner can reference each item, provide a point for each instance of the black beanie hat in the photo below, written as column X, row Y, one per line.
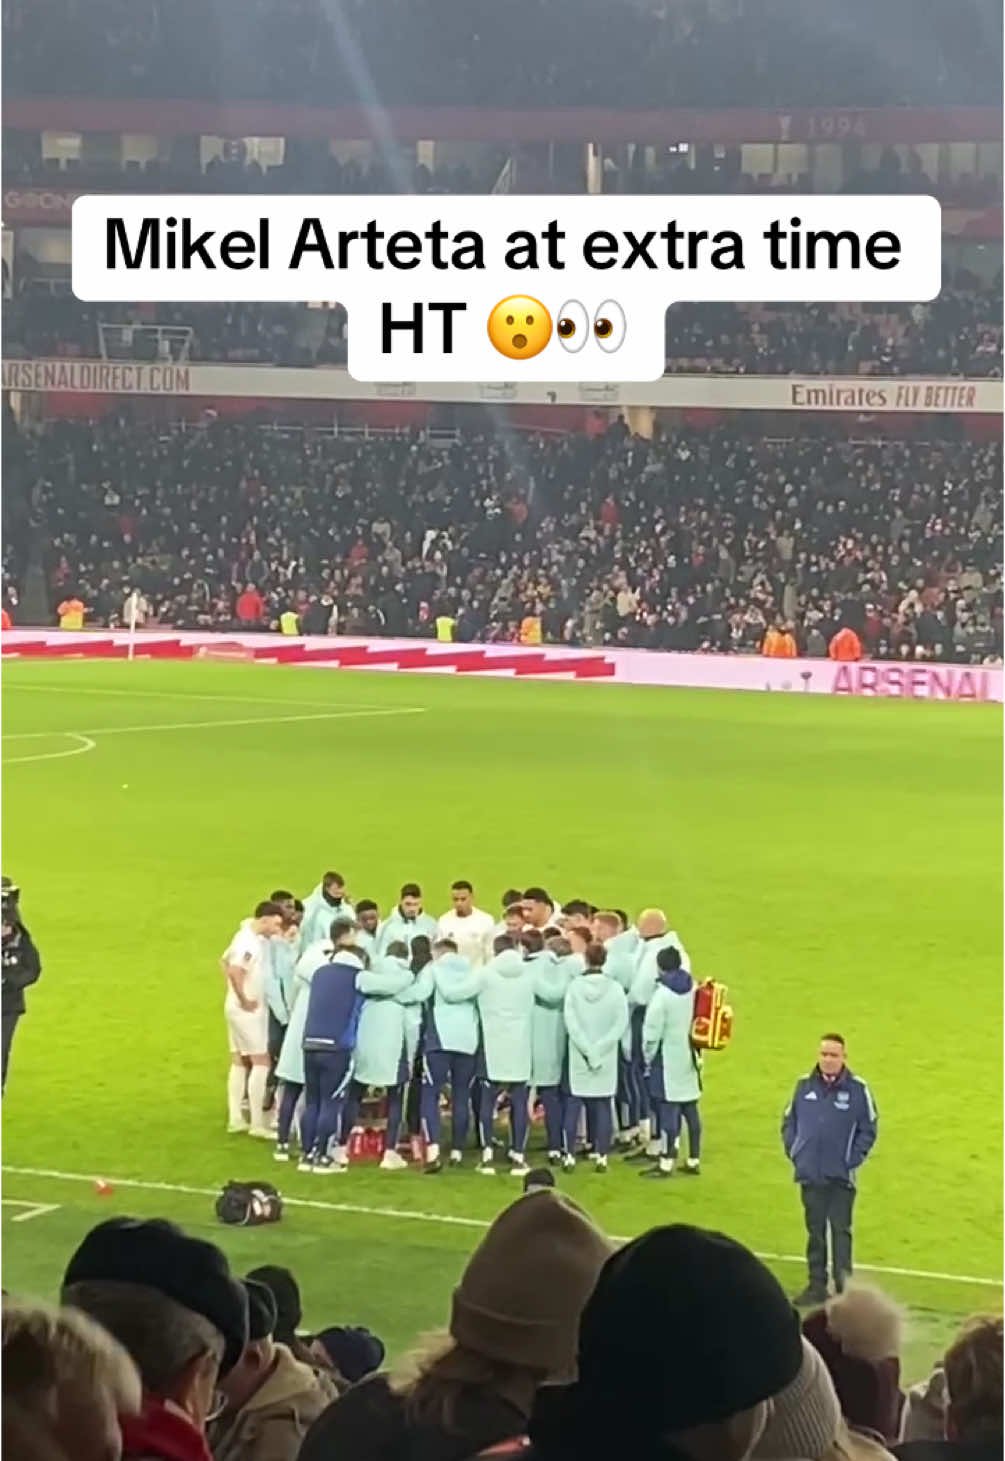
column 354, row 1352
column 285, row 1290
column 158, row 1255
column 693, row 1319
column 261, row 1310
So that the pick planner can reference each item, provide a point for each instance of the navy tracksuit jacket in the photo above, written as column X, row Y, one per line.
column 334, row 1005
column 829, row 1128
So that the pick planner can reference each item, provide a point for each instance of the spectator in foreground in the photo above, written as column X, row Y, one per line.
column 924, row 1417
column 23, row 1439
column 348, row 1350
column 272, row 1399
column 289, row 1312
column 512, row 1328
column 972, row 1422
column 858, row 1335
column 685, row 1340
column 173, row 1304
column 289, row 1315
column 806, row 1422
column 65, row 1384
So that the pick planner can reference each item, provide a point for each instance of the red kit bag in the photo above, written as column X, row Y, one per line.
column 712, row 1026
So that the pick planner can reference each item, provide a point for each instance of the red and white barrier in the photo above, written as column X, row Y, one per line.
column 887, row 679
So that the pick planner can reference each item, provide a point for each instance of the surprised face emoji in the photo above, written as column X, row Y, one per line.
column 519, row 327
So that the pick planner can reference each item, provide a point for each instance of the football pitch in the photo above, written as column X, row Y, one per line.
column 837, row 863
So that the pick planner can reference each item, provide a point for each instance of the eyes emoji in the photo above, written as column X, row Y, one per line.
column 574, row 326
column 609, row 326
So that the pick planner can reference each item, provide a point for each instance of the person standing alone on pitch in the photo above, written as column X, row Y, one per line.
column 245, row 964
column 828, row 1130
column 21, row 967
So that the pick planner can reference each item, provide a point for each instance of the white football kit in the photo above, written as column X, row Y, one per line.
column 247, row 1030
column 472, row 934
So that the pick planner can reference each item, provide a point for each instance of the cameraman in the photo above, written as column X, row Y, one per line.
column 21, row 967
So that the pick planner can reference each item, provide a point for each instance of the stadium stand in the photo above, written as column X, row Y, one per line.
column 701, row 540
column 707, row 53
column 958, row 334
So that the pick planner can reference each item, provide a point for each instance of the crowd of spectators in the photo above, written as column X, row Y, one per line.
column 957, row 334
column 40, row 324
column 310, row 167
column 696, row 541
column 714, row 173
column 706, row 53
column 560, row 1346
column 306, row 168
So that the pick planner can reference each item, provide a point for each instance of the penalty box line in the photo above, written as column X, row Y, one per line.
column 123, row 730
column 451, row 1220
column 17, row 687
column 28, row 1210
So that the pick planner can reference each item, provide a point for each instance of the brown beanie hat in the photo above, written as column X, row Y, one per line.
column 521, row 1295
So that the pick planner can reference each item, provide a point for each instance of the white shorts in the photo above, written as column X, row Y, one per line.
column 248, row 1030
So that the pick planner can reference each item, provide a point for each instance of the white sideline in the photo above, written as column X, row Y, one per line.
column 122, row 730
column 452, row 1220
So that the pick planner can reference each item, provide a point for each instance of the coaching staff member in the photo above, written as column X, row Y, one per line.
column 21, row 967
column 828, row 1130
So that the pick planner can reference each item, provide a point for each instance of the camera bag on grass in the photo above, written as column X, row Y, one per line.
column 248, row 1204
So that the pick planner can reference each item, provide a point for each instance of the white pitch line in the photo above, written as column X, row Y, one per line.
column 123, row 730
column 350, row 1207
column 32, row 1209
column 14, row 687
column 86, row 744
column 451, row 1220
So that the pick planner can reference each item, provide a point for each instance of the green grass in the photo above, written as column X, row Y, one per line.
column 836, row 862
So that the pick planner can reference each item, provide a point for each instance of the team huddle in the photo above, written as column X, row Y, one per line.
column 571, row 1007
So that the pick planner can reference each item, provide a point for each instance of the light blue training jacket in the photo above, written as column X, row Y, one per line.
column 452, row 1014
column 290, row 1065
column 647, row 970
column 506, row 1008
column 666, row 1033
column 596, row 1017
column 552, row 976
column 397, row 927
column 380, row 1058
column 283, row 955
column 319, row 915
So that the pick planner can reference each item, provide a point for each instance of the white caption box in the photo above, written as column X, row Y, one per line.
column 648, row 252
